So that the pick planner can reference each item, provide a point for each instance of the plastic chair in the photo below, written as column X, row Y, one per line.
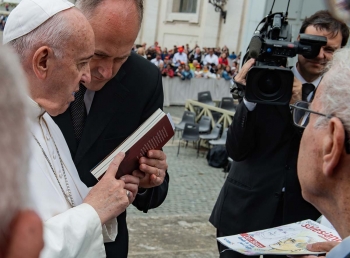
column 187, row 117
column 205, row 97
column 204, row 124
column 228, row 104
column 190, row 133
column 214, row 134
column 222, row 140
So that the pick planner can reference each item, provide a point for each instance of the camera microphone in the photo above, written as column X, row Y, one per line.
column 255, row 47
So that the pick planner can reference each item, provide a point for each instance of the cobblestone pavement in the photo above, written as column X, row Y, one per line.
column 179, row 227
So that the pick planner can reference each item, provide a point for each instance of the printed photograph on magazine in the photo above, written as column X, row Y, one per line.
column 290, row 239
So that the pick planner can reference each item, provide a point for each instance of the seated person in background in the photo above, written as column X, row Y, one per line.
column 234, row 68
column 219, row 69
column 207, row 74
column 187, row 73
column 211, row 58
column 180, row 57
column 141, row 52
column 21, row 230
column 227, row 73
column 193, row 65
column 164, row 53
column 223, row 59
column 178, row 72
column 162, row 69
column 198, row 73
column 158, row 60
column 169, row 71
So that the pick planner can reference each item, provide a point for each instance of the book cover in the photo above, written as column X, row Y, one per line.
column 290, row 239
column 154, row 138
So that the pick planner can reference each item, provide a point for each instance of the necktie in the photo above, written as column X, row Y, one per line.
column 78, row 112
column 306, row 90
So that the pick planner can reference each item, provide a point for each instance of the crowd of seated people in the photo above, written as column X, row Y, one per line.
column 187, row 63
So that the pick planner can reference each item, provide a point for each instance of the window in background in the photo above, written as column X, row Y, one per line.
column 184, row 6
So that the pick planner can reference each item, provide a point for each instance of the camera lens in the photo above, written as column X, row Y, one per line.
column 269, row 83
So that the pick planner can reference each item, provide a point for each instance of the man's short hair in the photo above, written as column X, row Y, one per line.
column 88, row 7
column 13, row 138
column 323, row 20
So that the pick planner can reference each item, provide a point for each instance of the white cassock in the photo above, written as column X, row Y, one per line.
column 68, row 232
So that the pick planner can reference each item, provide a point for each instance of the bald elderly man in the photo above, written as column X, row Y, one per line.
column 77, row 220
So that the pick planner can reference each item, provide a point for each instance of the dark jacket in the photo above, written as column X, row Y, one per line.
column 117, row 110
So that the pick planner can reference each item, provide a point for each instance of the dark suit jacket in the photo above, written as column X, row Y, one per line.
column 117, row 110
column 264, row 145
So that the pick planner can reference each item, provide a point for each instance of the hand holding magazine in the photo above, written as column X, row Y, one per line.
column 290, row 239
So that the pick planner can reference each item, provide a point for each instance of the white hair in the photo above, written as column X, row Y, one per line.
column 13, row 138
column 54, row 33
column 336, row 96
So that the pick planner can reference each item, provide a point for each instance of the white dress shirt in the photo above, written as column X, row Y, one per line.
column 209, row 59
column 68, row 232
column 179, row 58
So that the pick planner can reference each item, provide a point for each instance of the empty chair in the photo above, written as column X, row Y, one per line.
column 214, row 134
column 204, row 124
column 228, row 104
column 187, row 117
column 205, row 97
column 222, row 140
column 189, row 133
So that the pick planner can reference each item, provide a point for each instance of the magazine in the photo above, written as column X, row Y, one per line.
column 290, row 239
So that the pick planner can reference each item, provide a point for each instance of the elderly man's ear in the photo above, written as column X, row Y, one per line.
column 42, row 60
column 333, row 146
column 25, row 237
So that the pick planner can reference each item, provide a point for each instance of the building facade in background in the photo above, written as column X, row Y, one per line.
column 177, row 22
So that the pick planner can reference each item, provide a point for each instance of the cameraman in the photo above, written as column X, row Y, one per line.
column 262, row 189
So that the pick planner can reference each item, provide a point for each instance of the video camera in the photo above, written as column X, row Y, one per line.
column 269, row 82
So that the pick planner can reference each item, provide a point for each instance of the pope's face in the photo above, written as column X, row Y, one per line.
column 116, row 25
column 71, row 68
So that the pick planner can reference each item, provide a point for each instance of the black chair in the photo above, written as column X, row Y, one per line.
column 204, row 124
column 187, row 117
column 190, row 133
column 228, row 104
column 205, row 97
column 222, row 140
column 215, row 134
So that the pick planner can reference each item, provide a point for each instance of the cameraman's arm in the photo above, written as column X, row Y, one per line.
column 240, row 138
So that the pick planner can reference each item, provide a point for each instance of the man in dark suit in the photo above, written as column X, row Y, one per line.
column 125, row 90
column 262, row 189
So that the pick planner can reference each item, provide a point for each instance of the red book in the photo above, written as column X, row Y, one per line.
column 153, row 134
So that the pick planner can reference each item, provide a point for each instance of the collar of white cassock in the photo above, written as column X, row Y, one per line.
column 36, row 110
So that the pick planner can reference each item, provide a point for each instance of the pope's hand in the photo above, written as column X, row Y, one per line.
column 109, row 197
column 152, row 169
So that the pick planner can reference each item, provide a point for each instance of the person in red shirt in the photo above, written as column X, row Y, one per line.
column 223, row 59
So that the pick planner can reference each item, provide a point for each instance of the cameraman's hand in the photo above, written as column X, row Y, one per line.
column 242, row 74
column 296, row 92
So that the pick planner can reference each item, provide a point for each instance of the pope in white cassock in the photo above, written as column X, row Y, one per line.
column 55, row 43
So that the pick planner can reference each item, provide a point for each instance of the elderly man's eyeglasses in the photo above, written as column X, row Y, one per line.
column 301, row 113
column 301, row 116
